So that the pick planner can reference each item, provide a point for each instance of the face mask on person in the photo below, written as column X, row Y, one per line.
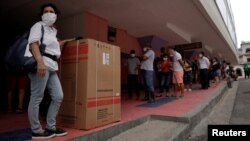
column 49, row 18
column 145, row 49
column 165, row 58
column 132, row 55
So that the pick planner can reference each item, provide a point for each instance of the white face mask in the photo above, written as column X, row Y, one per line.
column 49, row 18
column 165, row 58
column 145, row 49
column 132, row 55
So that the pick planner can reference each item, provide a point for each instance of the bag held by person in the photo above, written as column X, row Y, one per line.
column 15, row 61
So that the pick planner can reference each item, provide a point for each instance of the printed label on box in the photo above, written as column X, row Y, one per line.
column 105, row 58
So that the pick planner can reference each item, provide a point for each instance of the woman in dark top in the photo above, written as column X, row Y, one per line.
column 216, row 72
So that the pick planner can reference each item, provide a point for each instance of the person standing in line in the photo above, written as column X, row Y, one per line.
column 147, row 67
column 133, row 64
column 165, row 65
column 178, row 72
column 204, row 64
column 195, row 69
column 158, row 69
column 46, row 74
column 223, row 69
column 188, row 75
column 163, row 54
column 216, row 71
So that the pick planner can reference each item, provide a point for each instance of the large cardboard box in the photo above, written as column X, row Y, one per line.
column 90, row 77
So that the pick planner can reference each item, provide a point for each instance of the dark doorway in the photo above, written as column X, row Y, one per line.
column 238, row 72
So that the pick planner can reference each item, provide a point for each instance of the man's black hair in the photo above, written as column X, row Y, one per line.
column 202, row 53
column 132, row 51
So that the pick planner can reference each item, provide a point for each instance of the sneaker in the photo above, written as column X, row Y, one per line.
column 19, row 110
column 58, row 132
column 44, row 135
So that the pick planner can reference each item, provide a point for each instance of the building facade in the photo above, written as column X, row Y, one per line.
column 130, row 24
column 244, row 58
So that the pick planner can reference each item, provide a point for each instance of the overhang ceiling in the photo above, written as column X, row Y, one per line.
column 175, row 21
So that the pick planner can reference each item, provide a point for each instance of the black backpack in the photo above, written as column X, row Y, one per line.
column 15, row 59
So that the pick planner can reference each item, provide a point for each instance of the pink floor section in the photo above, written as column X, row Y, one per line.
column 130, row 111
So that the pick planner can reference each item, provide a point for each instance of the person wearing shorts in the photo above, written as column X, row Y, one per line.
column 177, row 72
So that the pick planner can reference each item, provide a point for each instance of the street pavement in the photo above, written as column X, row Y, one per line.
column 241, row 110
column 233, row 108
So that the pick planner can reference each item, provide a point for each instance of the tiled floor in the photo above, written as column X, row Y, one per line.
column 130, row 111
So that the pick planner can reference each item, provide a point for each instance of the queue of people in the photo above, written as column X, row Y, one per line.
column 174, row 71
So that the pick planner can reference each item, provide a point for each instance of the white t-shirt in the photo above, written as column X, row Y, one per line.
column 176, row 64
column 149, row 63
column 204, row 63
column 49, row 39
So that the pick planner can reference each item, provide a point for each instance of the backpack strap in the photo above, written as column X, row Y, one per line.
column 42, row 29
column 41, row 41
column 42, row 47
